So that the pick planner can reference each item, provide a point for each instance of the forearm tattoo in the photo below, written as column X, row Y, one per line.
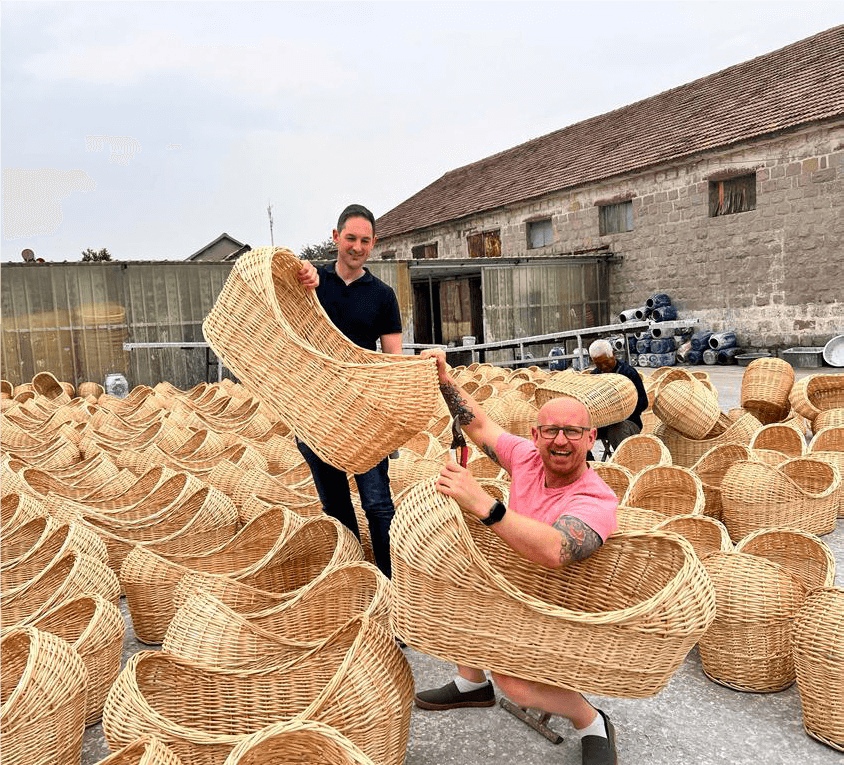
column 490, row 452
column 456, row 404
column 577, row 541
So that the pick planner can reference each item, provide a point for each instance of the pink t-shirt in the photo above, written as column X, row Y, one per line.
column 588, row 498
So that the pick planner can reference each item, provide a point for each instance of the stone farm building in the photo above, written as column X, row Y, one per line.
column 726, row 193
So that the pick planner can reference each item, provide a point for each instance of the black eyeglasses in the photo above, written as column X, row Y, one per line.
column 571, row 432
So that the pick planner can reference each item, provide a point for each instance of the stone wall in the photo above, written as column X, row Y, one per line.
column 774, row 274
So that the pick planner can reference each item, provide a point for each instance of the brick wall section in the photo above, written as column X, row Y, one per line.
column 774, row 274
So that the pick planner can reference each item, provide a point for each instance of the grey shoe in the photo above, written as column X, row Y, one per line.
column 598, row 750
column 450, row 697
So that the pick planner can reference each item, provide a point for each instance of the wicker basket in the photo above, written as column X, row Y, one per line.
column 748, row 646
column 710, row 468
column 150, row 579
column 705, row 534
column 687, row 406
column 49, row 538
column 42, row 704
column 67, row 576
column 829, row 418
column 666, row 489
column 18, row 509
column 818, row 649
column 512, row 413
column 304, row 742
column 146, row 750
column 686, row 451
column 617, row 477
column 351, row 406
column 803, row 555
column 828, row 445
column 779, row 438
column 357, row 681
column 240, row 644
column 765, row 386
column 46, row 385
column 637, row 519
column 817, row 393
column 640, row 451
column 618, row 623
column 799, row 494
column 94, row 627
column 318, row 546
column 609, row 398
column 204, row 520
column 204, row 630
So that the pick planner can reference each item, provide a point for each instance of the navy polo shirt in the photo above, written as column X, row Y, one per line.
column 363, row 310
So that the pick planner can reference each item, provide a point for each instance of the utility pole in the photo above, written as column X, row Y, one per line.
column 270, row 214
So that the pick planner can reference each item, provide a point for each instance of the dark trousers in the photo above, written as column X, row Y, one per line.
column 332, row 485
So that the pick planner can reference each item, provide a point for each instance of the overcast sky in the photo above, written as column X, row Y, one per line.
column 150, row 128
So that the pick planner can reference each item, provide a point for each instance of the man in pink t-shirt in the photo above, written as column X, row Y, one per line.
column 559, row 511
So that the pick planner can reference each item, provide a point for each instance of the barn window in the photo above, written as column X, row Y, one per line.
column 615, row 218
column 732, row 195
column 485, row 245
column 422, row 251
column 539, row 233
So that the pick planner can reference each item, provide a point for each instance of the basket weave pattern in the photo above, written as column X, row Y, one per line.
column 818, row 647
column 351, row 406
column 585, row 627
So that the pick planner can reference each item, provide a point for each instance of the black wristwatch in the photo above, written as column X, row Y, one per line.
column 495, row 515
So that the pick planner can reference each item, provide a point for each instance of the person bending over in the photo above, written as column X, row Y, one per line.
column 605, row 362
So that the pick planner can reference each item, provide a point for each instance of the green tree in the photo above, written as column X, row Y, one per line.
column 326, row 250
column 94, row 256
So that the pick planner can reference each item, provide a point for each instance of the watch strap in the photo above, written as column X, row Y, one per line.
column 495, row 514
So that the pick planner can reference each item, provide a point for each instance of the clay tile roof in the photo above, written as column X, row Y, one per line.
column 795, row 85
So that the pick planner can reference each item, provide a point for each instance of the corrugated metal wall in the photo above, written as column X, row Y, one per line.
column 540, row 298
column 72, row 319
column 397, row 275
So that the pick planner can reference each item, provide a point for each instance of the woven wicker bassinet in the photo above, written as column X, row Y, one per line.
column 617, row 624
column 352, row 406
column 357, row 681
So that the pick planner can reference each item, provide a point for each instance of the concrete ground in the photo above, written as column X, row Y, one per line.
column 693, row 721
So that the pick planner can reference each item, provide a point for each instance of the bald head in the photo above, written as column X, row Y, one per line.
column 564, row 409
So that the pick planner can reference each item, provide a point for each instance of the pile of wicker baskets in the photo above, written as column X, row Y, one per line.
column 198, row 506
column 195, row 504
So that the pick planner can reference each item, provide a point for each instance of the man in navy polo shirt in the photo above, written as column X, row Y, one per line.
column 364, row 309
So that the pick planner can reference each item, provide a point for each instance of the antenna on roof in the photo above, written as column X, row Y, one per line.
column 28, row 255
column 270, row 214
